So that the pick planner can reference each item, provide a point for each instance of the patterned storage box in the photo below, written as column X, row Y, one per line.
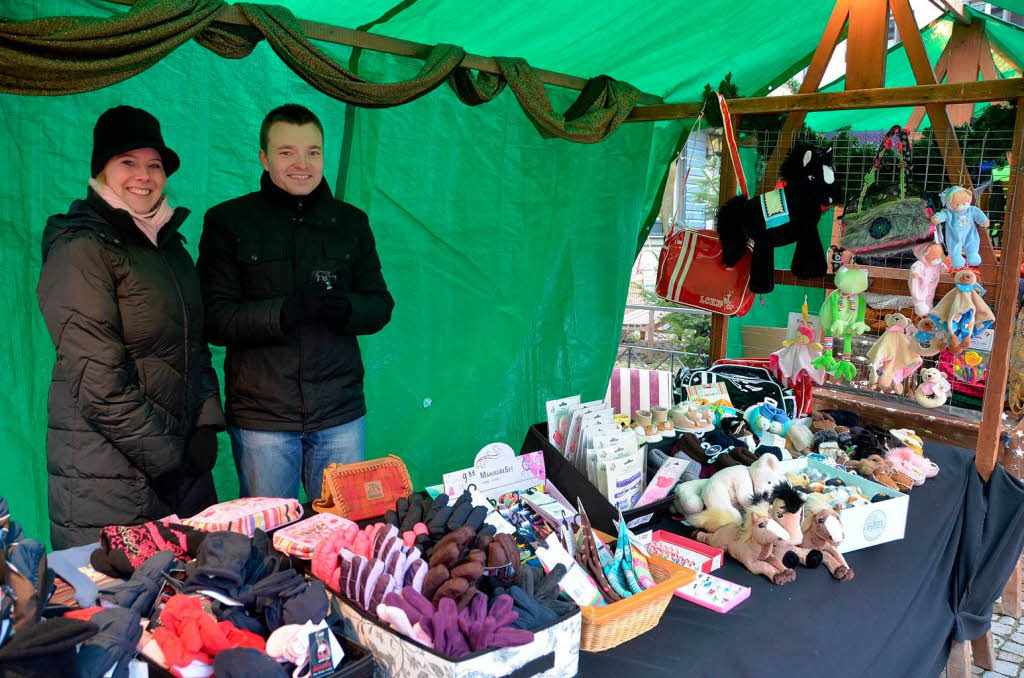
column 246, row 515
column 554, row 652
column 300, row 539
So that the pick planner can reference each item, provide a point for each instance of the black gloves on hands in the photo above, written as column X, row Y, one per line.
column 201, row 450
column 316, row 304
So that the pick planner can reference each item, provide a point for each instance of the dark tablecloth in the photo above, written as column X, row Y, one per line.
column 896, row 618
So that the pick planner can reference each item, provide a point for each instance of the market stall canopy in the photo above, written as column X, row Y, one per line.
column 1005, row 40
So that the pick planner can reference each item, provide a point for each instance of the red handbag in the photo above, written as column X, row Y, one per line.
column 690, row 273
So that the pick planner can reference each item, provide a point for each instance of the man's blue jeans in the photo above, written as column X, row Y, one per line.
column 270, row 463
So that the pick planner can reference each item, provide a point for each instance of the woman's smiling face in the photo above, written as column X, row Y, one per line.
column 137, row 177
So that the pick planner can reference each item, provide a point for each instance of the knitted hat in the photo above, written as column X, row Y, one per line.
column 124, row 128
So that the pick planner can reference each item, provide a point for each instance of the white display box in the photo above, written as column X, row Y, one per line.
column 863, row 526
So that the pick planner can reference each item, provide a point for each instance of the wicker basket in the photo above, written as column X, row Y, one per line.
column 611, row 625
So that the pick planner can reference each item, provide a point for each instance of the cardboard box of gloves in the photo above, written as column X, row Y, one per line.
column 434, row 588
column 188, row 602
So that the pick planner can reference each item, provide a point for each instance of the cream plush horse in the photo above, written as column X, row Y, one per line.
column 729, row 490
column 755, row 540
column 823, row 531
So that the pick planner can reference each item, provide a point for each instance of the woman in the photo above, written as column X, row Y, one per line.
column 134, row 403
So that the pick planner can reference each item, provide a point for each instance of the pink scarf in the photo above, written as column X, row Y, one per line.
column 150, row 224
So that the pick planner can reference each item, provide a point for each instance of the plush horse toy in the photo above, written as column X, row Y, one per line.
column 823, row 531
column 782, row 217
column 753, row 540
column 728, row 489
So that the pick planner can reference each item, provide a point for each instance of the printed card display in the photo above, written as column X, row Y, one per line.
column 497, row 470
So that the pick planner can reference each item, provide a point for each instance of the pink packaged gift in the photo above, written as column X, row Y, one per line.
column 300, row 539
column 246, row 515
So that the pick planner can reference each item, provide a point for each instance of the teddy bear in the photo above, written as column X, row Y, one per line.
column 961, row 219
column 892, row 358
column 963, row 314
column 933, row 391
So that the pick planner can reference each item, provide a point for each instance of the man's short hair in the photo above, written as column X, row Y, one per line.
column 291, row 113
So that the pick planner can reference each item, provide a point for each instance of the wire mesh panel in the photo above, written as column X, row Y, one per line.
column 985, row 150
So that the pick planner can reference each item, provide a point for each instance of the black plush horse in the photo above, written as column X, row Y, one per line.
column 789, row 215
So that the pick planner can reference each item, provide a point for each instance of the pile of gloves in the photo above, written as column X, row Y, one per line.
column 447, row 629
column 272, row 594
column 431, row 519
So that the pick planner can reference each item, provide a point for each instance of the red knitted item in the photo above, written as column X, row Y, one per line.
column 188, row 633
column 138, row 543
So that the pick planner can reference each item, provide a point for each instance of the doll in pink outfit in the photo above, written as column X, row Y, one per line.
column 924, row 275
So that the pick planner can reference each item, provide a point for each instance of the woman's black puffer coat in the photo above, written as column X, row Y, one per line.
column 133, row 376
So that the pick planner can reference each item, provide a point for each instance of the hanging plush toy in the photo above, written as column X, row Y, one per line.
column 924, row 275
column 781, row 217
column 842, row 315
column 961, row 233
column 962, row 312
column 798, row 355
column 934, row 390
column 893, row 358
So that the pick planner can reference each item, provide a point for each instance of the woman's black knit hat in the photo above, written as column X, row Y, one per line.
column 124, row 128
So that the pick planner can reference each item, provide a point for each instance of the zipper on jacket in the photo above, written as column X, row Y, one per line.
column 295, row 271
column 185, row 323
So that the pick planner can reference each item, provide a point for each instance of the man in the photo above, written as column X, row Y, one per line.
column 290, row 277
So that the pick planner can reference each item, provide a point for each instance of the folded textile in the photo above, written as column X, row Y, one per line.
column 140, row 592
column 66, row 564
column 290, row 644
column 29, row 579
column 122, row 548
column 46, row 648
column 245, row 662
column 220, row 564
column 246, row 515
column 300, row 539
column 113, row 646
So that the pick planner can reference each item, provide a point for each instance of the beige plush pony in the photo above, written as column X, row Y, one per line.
column 728, row 490
column 823, row 531
column 752, row 541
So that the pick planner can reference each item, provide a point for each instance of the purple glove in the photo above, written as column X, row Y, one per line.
column 500, row 633
column 415, row 573
column 380, row 589
column 355, row 573
column 382, row 536
column 448, row 639
column 368, row 584
column 419, row 602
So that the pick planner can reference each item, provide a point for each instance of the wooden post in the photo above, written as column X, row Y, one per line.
column 815, row 72
column 959, row 663
column 1010, row 603
column 866, row 39
column 1003, row 307
column 719, row 343
column 984, row 653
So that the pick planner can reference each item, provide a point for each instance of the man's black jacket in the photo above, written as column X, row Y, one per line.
column 256, row 251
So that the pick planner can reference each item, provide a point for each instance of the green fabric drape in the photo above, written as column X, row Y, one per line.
column 70, row 55
column 601, row 107
column 282, row 31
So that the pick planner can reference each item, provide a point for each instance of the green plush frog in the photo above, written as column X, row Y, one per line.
column 842, row 315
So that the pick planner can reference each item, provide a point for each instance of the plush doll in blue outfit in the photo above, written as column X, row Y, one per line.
column 961, row 219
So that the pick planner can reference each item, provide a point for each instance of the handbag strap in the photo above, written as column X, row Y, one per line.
column 898, row 140
column 730, row 141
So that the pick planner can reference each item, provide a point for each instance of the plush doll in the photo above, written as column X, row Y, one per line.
column 823, row 531
column 930, row 338
column 961, row 220
column 798, row 355
column 842, row 315
column 924, row 275
column 728, row 489
column 962, row 312
column 892, row 357
column 751, row 539
column 934, row 390
column 781, row 217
